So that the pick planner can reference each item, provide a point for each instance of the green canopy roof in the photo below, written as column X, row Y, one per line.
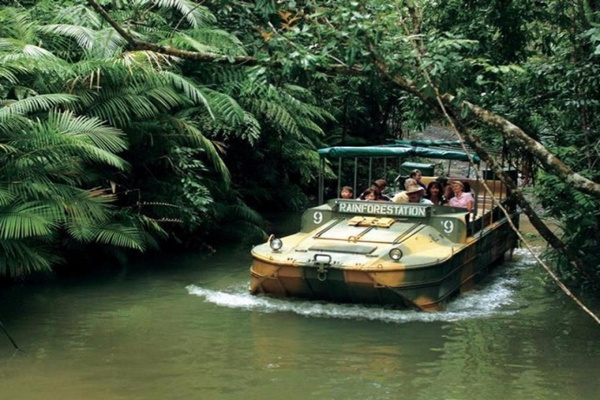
column 402, row 151
column 425, row 143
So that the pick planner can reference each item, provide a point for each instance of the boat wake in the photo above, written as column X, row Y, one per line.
column 497, row 297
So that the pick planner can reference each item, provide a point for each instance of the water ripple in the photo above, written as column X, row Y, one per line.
column 495, row 299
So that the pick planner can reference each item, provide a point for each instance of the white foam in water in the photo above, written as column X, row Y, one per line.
column 497, row 297
column 477, row 304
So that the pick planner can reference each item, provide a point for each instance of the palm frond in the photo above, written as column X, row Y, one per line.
column 278, row 116
column 195, row 14
column 7, row 149
column 16, row 23
column 117, row 235
column 31, row 185
column 208, row 40
column 308, row 124
column 253, row 129
column 85, row 37
column 84, row 207
column 120, row 106
column 25, row 220
column 300, row 99
column 15, row 49
column 42, row 102
column 189, row 89
column 165, row 97
column 16, row 123
column 224, row 105
column 80, row 15
column 248, row 223
column 195, row 136
column 45, row 143
column 21, row 257
column 8, row 73
column 90, row 130
column 6, row 195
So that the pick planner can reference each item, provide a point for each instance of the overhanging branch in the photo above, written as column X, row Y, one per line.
column 516, row 135
column 207, row 57
column 136, row 44
column 446, row 108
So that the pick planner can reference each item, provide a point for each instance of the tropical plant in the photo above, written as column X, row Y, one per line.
column 68, row 75
column 45, row 205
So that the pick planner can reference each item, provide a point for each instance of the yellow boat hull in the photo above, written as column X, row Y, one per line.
column 331, row 268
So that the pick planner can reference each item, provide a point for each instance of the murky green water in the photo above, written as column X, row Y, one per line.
column 184, row 328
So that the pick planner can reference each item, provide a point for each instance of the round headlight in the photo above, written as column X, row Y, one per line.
column 395, row 254
column 275, row 244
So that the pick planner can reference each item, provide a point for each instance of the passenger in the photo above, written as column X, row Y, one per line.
column 467, row 187
column 461, row 198
column 378, row 187
column 415, row 194
column 417, row 175
column 368, row 194
column 347, row 192
column 435, row 193
column 448, row 193
column 402, row 197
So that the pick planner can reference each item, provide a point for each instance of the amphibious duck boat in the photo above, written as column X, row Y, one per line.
column 403, row 255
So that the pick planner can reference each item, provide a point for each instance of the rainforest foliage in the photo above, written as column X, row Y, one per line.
column 180, row 129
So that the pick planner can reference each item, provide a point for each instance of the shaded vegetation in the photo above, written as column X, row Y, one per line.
column 109, row 146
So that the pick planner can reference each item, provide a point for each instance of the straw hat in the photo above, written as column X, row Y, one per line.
column 412, row 188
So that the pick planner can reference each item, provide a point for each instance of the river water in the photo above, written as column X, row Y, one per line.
column 184, row 327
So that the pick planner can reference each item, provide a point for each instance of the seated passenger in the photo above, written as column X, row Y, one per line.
column 448, row 193
column 402, row 197
column 461, row 198
column 467, row 187
column 368, row 194
column 415, row 194
column 378, row 186
column 347, row 192
column 435, row 193
column 416, row 174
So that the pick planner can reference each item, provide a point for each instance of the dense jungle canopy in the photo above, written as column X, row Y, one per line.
column 129, row 126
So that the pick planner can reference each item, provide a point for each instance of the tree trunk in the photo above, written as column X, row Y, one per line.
column 516, row 135
column 511, row 132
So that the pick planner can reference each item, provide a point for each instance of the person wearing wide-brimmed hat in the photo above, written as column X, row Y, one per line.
column 461, row 198
column 415, row 193
column 401, row 196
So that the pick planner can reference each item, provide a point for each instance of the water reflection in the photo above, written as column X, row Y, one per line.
column 188, row 329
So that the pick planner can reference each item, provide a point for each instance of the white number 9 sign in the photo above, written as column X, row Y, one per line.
column 448, row 226
column 318, row 217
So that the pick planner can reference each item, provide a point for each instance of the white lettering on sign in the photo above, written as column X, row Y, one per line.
column 399, row 210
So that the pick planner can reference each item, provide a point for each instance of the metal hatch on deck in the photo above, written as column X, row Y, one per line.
column 344, row 248
column 359, row 230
